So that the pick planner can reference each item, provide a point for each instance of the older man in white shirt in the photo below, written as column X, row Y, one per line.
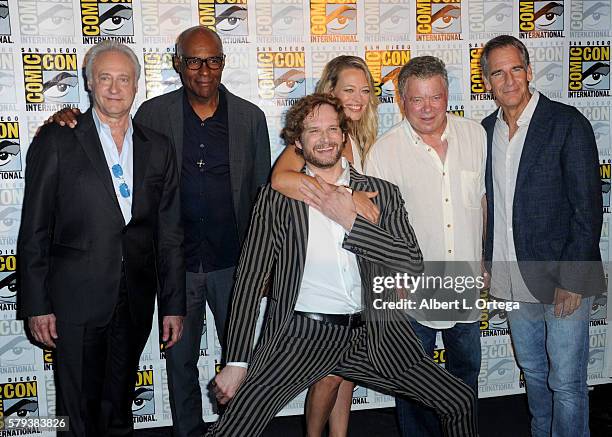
column 437, row 160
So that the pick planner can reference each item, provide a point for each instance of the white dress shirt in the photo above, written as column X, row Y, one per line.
column 443, row 198
column 125, row 160
column 331, row 283
column 506, row 280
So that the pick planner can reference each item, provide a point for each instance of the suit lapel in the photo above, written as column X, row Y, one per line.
column 140, row 154
column 537, row 133
column 236, row 143
column 175, row 115
column 87, row 135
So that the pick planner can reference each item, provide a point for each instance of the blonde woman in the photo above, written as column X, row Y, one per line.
column 348, row 79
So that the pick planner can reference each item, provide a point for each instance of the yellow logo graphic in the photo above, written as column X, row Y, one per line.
column 438, row 20
column 477, row 86
column 18, row 399
column 281, row 76
column 385, row 65
column 333, row 20
column 107, row 19
column 143, row 404
column 589, row 70
column 50, row 79
column 541, row 18
column 10, row 148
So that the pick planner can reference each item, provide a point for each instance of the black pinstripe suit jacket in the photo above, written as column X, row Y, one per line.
column 276, row 248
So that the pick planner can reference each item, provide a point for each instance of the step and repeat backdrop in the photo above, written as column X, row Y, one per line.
column 275, row 51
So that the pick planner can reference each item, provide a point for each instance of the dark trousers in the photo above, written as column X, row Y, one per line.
column 182, row 359
column 96, row 372
column 463, row 353
column 310, row 350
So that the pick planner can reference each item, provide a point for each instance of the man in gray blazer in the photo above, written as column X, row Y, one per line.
column 223, row 153
column 323, row 315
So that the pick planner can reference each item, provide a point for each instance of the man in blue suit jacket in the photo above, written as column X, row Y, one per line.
column 544, row 223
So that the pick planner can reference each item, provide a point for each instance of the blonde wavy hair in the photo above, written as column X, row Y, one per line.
column 365, row 130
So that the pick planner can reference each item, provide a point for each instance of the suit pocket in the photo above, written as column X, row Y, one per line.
column 470, row 189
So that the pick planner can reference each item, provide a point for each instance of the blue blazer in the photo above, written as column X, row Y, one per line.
column 557, row 207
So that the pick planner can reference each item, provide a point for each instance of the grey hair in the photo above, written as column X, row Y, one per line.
column 422, row 67
column 109, row 46
column 497, row 43
column 180, row 40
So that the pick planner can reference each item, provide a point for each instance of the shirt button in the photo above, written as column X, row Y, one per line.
column 450, row 251
column 201, row 146
column 202, row 124
column 446, row 200
column 201, row 219
column 444, row 173
column 448, row 225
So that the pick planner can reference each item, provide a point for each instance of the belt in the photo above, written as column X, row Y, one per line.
column 349, row 320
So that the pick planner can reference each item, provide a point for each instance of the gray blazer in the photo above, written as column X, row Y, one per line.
column 249, row 144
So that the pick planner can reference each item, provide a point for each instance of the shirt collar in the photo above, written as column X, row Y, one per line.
column 100, row 125
column 527, row 113
column 345, row 177
column 416, row 138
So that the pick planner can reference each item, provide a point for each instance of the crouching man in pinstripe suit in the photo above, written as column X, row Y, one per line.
column 323, row 258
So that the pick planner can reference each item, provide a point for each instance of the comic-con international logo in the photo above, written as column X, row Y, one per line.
column 453, row 55
column 541, row 18
column 590, row 18
column 11, row 200
column 477, row 85
column 17, row 354
column 281, row 75
column 8, row 283
column 599, row 116
column 7, row 81
column 46, row 21
column 333, row 20
column 360, row 395
column 597, row 346
column 143, row 403
column 384, row 65
column 599, row 310
column 279, row 21
column 107, row 19
column 589, row 69
column 489, row 18
column 604, row 175
column 438, row 20
column 547, row 66
column 18, row 399
column 493, row 321
column 498, row 368
column 51, row 80
column 160, row 76
column 386, row 20
column 229, row 18
column 10, row 148
column 162, row 20
column 5, row 23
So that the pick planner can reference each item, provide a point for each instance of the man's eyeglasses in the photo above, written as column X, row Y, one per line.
column 123, row 187
column 195, row 63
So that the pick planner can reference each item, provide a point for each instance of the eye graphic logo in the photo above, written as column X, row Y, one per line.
column 287, row 20
column 599, row 116
column 604, row 174
column 279, row 21
column 143, row 403
column 52, row 19
column 437, row 21
column 333, row 21
column 384, row 65
column 389, row 21
column 18, row 399
column 226, row 18
column 5, row 22
column 590, row 18
column 490, row 18
column 102, row 19
column 589, row 70
column 10, row 148
column 50, row 79
column 359, row 392
column 281, row 76
column 547, row 65
column 8, row 287
column 160, row 76
column 596, row 360
column 163, row 18
column 541, row 16
column 394, row 19
column 7, row 79
column 599, row 307
column 501, row 371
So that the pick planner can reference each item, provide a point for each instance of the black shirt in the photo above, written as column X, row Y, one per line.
column 211, row 232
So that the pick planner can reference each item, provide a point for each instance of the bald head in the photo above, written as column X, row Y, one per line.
column 195, row 32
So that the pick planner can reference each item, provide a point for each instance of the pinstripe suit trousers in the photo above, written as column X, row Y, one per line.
column 307, row 351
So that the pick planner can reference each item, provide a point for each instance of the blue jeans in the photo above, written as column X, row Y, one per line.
column 553, row 354
column 462, row 343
